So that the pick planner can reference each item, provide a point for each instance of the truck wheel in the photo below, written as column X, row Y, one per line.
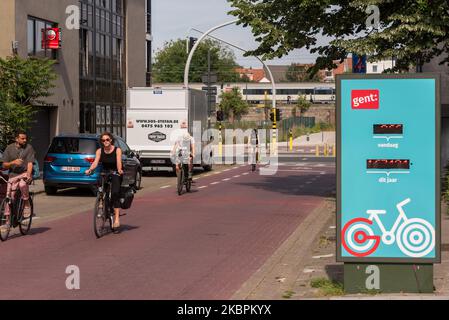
column 207, row 167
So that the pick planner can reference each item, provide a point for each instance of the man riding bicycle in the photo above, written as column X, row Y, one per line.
column 184, row 145
column 18, row 158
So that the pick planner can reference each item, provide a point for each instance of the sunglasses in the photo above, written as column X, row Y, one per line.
column 105, row 140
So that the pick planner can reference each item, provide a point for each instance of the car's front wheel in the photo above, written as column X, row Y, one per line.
column 50, row 191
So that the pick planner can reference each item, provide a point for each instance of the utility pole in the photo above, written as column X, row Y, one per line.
column 208, row 83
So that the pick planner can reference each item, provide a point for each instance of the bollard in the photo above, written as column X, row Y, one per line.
column 317, row 150
column 334, row 151
column 326, row 150
column 291, row 140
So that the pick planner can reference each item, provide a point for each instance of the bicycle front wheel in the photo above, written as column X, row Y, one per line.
column 25, row 223
column 5, row 221
column 100, row 219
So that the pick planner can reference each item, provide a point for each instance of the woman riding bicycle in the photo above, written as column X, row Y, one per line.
column 110, row 157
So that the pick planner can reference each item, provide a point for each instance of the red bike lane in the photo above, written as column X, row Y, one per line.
column 201, row 245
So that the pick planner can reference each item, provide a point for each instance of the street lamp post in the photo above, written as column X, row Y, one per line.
column 273, row 84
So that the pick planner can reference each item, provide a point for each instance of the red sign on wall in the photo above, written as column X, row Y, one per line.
column 51, row 38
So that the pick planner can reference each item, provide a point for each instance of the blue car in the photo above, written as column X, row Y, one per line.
column 69, row 156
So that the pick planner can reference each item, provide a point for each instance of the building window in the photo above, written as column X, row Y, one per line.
column 374, row 68
column 102, row 65
column 35, row 27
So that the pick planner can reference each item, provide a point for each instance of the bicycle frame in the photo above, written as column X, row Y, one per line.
column 388, row 237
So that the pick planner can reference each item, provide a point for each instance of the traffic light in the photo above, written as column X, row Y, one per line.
column 192, row 41
column 220, row 115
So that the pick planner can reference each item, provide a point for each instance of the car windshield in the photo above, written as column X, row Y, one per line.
column 73, row 146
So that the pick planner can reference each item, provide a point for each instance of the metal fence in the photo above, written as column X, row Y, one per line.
column 285, row 125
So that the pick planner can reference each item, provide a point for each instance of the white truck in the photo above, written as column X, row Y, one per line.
column 156, row 117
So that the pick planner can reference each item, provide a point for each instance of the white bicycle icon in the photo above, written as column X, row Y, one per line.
column 415, row 237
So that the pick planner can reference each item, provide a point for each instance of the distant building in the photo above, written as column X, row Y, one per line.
column 95, row 64
column 279, row 72
column 379, row 66
column 253, row 75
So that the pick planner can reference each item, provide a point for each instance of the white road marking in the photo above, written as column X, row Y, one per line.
column 287, row 170
column 246, row 173
column 237, row 176
column 323, row 256
column 308, row 270
column 165, row 187
column 202, row 187
column 227, row 179
column 216, row 182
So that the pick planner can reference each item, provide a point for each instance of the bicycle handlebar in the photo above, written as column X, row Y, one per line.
column 403, row 203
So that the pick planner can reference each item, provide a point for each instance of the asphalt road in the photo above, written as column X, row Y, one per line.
column 201, row 245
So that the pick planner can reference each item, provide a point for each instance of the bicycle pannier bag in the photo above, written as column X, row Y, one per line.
column 126, row 198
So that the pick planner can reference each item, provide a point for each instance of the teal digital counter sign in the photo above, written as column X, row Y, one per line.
column 388, row 168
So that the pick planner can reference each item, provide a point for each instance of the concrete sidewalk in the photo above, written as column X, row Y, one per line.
column 309, row 254
column 37, row 186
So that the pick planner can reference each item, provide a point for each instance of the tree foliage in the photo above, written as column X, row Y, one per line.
column 232, row 103
column 303, row 105
column 412, row 31
column 299, row 73
column 23, row 84
column 171, row 60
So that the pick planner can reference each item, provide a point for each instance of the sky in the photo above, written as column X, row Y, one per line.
column 172, row 19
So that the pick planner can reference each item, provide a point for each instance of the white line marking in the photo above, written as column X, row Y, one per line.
column 237, row 176
column 216, row 182
column 388, row 137
column 227, row 179
column 388, row 172
column 246, row 173
column 323, row 256
column 202, row 187
column 165, row 187
column 226, row 170
column 307, row 171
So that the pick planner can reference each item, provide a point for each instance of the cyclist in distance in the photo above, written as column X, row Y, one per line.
column 185, row 144
column 18, row 159
column 253, row 149
column 110, row 157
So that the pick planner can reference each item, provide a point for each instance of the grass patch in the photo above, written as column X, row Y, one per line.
column 327, row 287
column 288, row 294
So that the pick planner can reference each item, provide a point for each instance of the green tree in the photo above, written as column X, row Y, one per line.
column 303, row 105
column 232, row 103
column 24, row 83
column 171, row 60
column 412, row 31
